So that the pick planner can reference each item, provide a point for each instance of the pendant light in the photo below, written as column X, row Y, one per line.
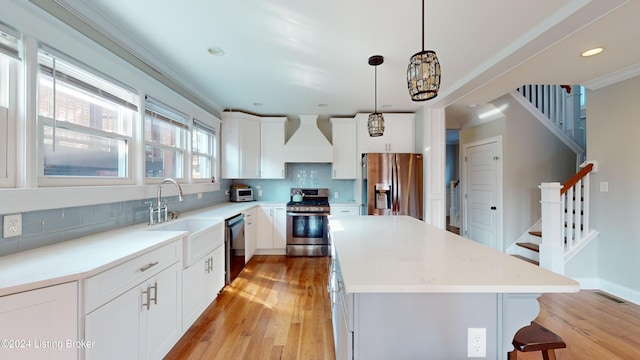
column 423, row 72
column 375, row 125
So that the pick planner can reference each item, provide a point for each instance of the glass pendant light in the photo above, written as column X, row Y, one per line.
column 375, row 125
column 423, row 72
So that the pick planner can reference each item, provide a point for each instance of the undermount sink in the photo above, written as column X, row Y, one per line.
column 204, row 236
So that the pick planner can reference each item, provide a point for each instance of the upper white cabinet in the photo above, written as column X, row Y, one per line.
column 399, row 134
column 345, row 157
column 240, row 146
column 272, row 145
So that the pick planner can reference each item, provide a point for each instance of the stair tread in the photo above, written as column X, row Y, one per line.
column 526, row 259
column 530, row 246
column 536, row 233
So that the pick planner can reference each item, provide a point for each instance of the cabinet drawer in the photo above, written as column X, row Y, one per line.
column 337, row 211
column 111, row 283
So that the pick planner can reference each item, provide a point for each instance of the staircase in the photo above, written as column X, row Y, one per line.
column 565, row 208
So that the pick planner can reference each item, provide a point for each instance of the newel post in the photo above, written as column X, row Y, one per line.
column 552, row 246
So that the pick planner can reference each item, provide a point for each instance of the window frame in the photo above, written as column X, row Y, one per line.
column 73, row 76
column 162, row 112
column 9, row 67
column 211, row 154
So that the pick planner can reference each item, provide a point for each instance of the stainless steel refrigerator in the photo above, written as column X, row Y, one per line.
column 392, row 184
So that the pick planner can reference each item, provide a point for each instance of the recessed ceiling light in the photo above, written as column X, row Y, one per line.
column 591, row 52
column 472, row 106
column 386, row 106
column 215, row 51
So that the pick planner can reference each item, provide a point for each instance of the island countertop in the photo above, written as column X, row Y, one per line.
column 400, row 254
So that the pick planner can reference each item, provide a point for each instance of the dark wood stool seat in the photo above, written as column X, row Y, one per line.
column 535, row 337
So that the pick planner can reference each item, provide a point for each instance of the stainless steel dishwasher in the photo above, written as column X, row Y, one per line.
column 234, row 247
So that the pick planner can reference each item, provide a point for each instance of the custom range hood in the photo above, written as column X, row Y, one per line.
column 308, row 144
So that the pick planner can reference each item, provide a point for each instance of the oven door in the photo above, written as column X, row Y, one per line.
column 307, row 229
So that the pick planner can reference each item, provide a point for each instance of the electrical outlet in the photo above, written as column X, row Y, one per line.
column 12, row 225
column 477, row 342
column 336, row 195
column 260, row 192
column 199, row 195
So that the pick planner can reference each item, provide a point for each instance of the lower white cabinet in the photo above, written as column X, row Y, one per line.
column 250, row 233
column 140, row 322
column 40, row 324
column 344, row 210
column 272, row 229
column 201, row 283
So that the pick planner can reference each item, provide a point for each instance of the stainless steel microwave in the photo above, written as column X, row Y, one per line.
column 241, row 194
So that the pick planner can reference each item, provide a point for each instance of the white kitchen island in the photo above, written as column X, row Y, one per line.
column 405, row 289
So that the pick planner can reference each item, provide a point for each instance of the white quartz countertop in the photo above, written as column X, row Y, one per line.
column 77, row 259
column 84, row 257
column 400, row 254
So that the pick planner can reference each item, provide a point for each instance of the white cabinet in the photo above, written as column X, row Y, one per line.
column 240, row 146
column 399, row 134
column 133, row 310
column 345, row 157
column 201, row 283
column 272, row 132
column 40, row 324
column 338, row 210
column 272, row 228
column 250, row 233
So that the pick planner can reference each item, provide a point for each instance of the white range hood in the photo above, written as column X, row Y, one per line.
column 308, row 144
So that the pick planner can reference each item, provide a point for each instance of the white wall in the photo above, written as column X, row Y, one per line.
column 613, row 125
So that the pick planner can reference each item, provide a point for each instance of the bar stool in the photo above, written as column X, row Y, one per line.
column 535, row 337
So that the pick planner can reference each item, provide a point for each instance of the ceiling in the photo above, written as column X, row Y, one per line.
column 290, row 57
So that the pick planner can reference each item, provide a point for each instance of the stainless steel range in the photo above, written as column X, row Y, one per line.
column 307, row 222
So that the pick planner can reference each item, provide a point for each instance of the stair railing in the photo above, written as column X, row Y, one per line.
column 561, row 105
column 565, row 219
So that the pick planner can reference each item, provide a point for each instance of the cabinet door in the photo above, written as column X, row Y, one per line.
column 250, row 159
column 345, row 159
column 114, row 328
column 272, row 148
column 230, row 146
column 30, row 318
column 279, row 227
column 265, row 227
column 194, row 291
column 162, row 320
column 217, row 281
column 250, row 233
column 402, row 134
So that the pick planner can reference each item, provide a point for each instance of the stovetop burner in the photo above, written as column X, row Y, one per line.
column 314, row 200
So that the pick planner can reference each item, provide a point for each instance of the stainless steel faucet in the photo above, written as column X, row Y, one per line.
column 163, row 212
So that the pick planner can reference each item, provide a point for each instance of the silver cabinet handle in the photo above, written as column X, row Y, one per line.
column 148, row 266
column 148, row 303
column 155, row 293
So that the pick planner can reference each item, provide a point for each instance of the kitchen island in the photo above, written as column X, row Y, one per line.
column 405, row 289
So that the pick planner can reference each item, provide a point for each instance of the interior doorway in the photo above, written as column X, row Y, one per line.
column 452, row 180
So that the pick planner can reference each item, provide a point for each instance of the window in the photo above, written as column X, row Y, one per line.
column 9, row 58
column 165, row 134
column 85, row 120
column 203, row 145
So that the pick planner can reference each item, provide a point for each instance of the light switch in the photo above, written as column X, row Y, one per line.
column 604, row 186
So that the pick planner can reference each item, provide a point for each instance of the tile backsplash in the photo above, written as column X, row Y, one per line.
column 302, row 176
column 46, row 227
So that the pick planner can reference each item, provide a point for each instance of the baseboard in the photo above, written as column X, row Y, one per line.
column 614, row 289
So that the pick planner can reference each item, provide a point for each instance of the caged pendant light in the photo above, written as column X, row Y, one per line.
column 423, row 72
column 375, row 124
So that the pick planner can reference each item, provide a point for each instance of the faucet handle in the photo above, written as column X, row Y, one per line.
column 150, row 203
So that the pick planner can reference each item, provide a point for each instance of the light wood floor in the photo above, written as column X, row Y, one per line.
column 278, row 308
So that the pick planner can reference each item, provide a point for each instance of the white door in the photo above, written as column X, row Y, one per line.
column 482, row 193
